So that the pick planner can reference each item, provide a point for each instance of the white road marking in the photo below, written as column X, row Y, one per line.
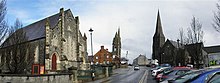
column 143, row 77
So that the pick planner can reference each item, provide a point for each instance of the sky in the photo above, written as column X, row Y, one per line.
column 135, row 18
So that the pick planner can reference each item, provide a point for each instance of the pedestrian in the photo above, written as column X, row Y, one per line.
column 93, row 76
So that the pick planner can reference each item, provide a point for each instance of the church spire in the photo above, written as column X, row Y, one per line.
column 119, row 31
column 159, row 30
column 158, row 40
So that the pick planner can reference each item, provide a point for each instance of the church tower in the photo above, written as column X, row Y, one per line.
column 158, row 39
column 116, row 45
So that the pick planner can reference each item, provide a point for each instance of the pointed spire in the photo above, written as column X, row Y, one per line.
column 159, row 31
column 119, row 31
column 84, row 36
column 116, row 34
column 115, row 39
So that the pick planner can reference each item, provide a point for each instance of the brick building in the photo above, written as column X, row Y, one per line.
column 103, row 56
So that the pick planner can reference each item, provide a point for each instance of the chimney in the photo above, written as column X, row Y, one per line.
column 61, row 11
column 102, row 47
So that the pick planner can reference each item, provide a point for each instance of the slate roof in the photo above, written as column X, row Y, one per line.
column 37, row 30
column 212, row 49
column 175, row 44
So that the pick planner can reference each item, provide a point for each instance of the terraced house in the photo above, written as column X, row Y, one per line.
column 51, row 45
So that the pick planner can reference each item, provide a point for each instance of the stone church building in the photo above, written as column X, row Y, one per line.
column 51, row 45
column 174, row 53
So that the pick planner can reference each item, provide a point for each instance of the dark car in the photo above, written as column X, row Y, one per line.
column 202, row 78
column 183, row 78
column 174, row 72
column 197, row 77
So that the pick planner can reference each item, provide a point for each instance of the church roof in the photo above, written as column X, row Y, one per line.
column 212, row 49
column 175, row 44
column 37, row 30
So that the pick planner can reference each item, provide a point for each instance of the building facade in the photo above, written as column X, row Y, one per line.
column 213, row 54
column 53, row 44
column 174, row 53
column 199, row 57
column 141, row 60
column 103, row 57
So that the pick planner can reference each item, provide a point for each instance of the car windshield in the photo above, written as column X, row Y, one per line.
column 186, row 77
column 166, row 70
column 215, row 79
column 189, row 75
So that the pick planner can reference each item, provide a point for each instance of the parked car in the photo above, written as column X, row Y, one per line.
column 154, row 68
column 166, row 70
column 215, row 78
column 185, row 77
column 154, row 72
column 198, row 77
column 165, row 65
column 136, row 67
column 202, row 78
column 174, row 72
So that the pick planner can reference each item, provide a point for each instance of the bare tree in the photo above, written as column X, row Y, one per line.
column 216, row 19
column 194, row 32
column 3, row 23
column 18, row 55
column 17, row 25
column 182, row 37
column 18, row 59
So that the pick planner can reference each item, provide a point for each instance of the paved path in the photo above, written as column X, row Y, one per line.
column 126, row 75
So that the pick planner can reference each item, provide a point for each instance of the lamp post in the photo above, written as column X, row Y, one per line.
column 178, row 52
column 93, row 73
column 90, row 30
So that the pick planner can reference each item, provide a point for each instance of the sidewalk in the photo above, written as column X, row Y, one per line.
column 115, row 72
column 216, row 66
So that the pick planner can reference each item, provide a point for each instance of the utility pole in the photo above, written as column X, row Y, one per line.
column 126, row 54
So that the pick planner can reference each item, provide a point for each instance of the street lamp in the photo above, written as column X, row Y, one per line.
column 90, row 30
column 178, row 52
column 93, row 73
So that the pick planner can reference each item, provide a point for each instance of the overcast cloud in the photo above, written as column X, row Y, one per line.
column 136, row 19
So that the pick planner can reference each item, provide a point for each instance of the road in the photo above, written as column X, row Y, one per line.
column 129, row 75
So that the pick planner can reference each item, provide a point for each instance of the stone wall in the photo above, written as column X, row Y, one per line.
column 47, row 78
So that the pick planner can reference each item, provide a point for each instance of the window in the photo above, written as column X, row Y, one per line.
column 181, row 72
column 96, row 57
column 107, row 56
column 215, row 78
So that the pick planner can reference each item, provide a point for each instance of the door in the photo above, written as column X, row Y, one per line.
column 54, row 62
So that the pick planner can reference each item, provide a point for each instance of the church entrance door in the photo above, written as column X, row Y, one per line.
column 54, row 62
